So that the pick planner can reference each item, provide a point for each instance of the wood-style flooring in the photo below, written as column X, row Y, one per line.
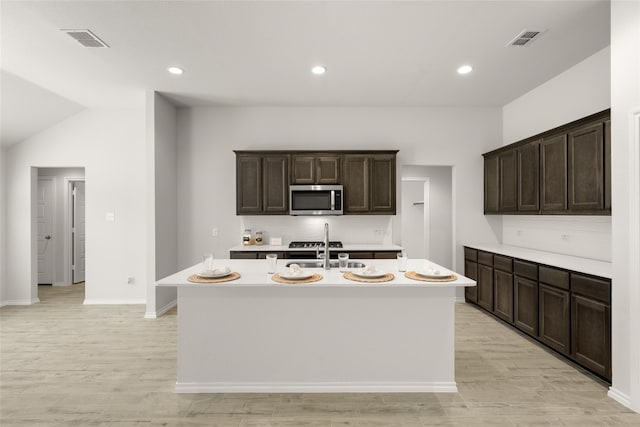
column 67, row 364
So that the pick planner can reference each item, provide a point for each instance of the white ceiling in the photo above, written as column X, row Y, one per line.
column 378, row 53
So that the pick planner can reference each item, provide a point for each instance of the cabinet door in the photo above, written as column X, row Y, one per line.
column 471, row 271
column 607, row 165
column 554, row 318
column 303, row 169
column 275, row 184
column 386, row 254
column 525, row 310
column 327, row 169
column 528, row 177
column 586, row 168
column 248, row 184
column 508, row 181
column 485, row 287
column 503, row 295
column 591, row 334
column 243, row 255
column 553, row 159
column 491, row 185
column 383, row 184
column 356, row 184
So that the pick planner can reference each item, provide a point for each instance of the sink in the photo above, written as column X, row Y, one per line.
column 320, row 264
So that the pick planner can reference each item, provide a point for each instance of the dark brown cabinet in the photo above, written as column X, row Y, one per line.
column 566, row 170
column 525, row 298
column 591, row 323
column 369, row 183
column 508, row 199
column 586, row 168
column 569, row 312
column 484, row 283
column 262, row 184
column 315, row 169
column 311, row 254
column 528, row 182
column 491, row 185
column 503, row 287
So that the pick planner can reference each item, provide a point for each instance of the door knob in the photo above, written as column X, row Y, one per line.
column 47, row 237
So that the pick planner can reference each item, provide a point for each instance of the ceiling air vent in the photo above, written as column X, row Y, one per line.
column 86, row 38
column 525, row 38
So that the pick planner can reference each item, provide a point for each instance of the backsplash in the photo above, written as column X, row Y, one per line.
column 588, row 236
column 363, row 229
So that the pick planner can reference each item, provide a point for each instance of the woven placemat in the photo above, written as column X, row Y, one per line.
column 351, row 276
column 197, row 279
column 415, row 276
column 277, row 278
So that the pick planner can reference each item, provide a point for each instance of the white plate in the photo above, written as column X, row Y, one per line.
column 430, row 274
column 371, row 275
column 300, row 276
column 210, row 274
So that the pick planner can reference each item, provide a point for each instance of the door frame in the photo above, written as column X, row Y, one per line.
column 54, row 199
column 68, row 214
column 426, row 216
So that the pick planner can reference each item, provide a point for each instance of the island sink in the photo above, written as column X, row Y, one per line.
column 320, row 264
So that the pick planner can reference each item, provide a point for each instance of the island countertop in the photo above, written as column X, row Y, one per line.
column 253, row 273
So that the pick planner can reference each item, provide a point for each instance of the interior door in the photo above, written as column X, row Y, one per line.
column 78, row 230
column 415, row 221
column 46, row 201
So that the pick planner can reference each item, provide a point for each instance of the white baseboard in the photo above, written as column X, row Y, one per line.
column 619, row 397
column 21, row 301
column 161, row 311
column 320, row 387
column 114, row 301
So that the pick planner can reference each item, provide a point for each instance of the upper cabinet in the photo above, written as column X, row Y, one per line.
column 315, row 169
column 263, row 179
column 566, row 170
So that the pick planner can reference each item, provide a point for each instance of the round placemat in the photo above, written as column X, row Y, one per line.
column 277, row 278
column 415, row 276
column 351, row 276
column 197, row 279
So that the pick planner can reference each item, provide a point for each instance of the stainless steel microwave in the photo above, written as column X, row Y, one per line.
column 315, row 199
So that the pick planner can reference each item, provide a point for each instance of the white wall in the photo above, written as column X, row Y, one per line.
column 625, row 167
column 162, row 216
column 109, row 144
column 434, row 136
column 61, row 212
column 578, row 92
column 2, row 230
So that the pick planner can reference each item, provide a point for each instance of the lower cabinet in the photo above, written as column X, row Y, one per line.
column 554, row 318
column 568, row 311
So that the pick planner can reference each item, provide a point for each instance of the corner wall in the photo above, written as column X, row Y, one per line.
column 109, row 144
column 162, row 204
column 578, row 92
column 2, row 230
column 625, row 171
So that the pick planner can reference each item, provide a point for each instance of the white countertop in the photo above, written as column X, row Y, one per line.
column 347, row 247
column 254, row 274
column 583, row 265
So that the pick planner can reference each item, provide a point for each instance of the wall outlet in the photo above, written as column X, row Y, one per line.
column 110, row 216
column 564, row 237
column 131, row 280
column 214, row 232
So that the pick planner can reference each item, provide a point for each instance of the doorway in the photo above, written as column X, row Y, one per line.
column 59, row 220
column 427, row 213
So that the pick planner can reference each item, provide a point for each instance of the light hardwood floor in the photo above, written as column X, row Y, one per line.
column 66, row 364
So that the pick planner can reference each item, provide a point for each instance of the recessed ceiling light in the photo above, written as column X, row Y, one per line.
column 175, row 70
column 465, row 69
column 319, row 69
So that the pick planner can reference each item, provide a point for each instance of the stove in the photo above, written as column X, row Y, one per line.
column 312, row 245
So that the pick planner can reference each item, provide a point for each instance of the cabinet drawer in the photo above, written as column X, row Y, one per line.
column 525, row 269
column 597, row 289
column 554, row 277
column 386, row 254
column 503, row 263
column 243, row 255
column 485, row 258
column 470, row 254
column 263, row 254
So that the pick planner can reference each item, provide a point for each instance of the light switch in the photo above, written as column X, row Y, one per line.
column 110, row 216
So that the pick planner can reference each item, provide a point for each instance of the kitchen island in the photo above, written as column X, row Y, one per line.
column 334, row 335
